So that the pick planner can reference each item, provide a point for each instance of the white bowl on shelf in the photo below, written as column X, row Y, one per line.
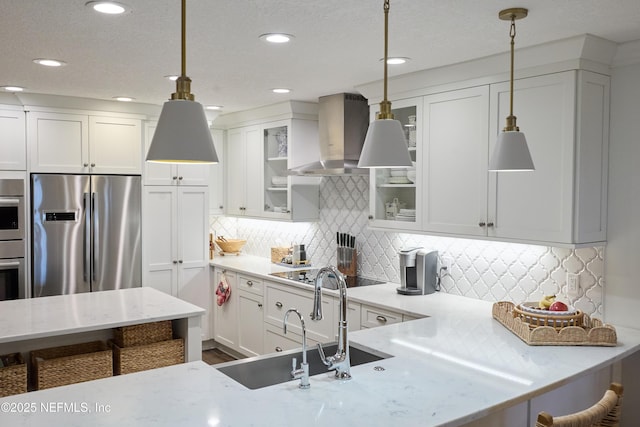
column 279, row 181
column 398, row 172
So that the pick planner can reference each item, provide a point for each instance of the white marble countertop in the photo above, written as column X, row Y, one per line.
column 33, row 318
column 448, row 369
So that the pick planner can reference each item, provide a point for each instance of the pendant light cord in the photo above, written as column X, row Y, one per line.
column 512, row 34
column 385, row 105
column 511, row 119
column 183, row 83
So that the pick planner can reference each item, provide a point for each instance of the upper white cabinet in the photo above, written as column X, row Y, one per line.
column 170, row 173
column 455, row 161
column 244, row 171
column 216, row 175
column 259, row 149
column 78, row 143
column 12, row 139
column 564, row 116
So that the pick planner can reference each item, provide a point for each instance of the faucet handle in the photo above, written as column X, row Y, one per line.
column 294, row 364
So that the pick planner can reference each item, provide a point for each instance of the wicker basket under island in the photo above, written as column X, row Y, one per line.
column 13, row 374
column 70, row 364
column 145, row 346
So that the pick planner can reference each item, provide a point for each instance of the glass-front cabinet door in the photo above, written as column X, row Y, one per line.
column 276, row 181
column 395, row 195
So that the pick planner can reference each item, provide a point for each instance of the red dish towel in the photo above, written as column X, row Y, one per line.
column 223, row 291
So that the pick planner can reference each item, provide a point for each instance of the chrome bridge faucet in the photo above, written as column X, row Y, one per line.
column 303, row 372
column 340, row 362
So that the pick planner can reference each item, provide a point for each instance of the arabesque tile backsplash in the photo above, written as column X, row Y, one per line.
column 492, row 271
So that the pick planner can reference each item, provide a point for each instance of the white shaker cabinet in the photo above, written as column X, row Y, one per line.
column 175, row 246
column 454, row 162
column 243, row 171
column 171, row 173
column 250, row 315
column 13, row 144
column 216, row 175
column 78, row 143
column 565, row 117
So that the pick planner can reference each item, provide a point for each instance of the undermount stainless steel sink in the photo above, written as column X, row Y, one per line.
column 264, row 371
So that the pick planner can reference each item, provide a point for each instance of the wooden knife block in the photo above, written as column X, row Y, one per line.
column 347, row 261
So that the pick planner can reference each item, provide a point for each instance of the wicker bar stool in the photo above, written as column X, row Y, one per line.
column 605, row 413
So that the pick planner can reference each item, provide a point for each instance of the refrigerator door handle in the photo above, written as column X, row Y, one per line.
column 87, row 237
column 93, row 237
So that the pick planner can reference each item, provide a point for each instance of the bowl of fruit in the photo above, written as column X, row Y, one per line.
column 549, row 312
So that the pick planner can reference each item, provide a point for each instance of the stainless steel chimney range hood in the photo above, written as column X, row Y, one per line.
column 343, row 120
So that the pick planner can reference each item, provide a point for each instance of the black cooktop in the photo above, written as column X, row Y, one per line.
column 308, row 276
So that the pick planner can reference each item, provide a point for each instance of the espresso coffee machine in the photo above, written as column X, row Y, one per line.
column 418, row 271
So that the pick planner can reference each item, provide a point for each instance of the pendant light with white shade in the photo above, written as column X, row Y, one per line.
column 182, row 134
column 385, row 145
column 511, row 152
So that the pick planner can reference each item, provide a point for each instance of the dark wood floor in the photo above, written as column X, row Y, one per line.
column 214, row 356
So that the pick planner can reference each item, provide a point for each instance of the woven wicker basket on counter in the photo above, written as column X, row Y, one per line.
column 56, row 366
column 150, row 356
column 592, row 331
column 13, row 375
column 278, row 253
column 145, row 333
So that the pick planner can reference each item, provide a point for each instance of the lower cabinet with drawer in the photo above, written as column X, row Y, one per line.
column 250, row 323
column 275, row 340
column 279, row 298
column 372, row 317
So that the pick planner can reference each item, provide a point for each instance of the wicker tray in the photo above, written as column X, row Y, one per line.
column 592, row 332
column 145, row 333
column 70, row 364
column 143, row 357
column 13, row 375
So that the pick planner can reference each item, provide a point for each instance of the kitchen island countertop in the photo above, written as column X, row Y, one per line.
column 449, row 369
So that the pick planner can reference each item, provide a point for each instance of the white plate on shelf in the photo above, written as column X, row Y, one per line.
column 532, row 307
column 398, row 180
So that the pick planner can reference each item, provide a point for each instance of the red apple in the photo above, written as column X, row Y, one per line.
column 558, row 306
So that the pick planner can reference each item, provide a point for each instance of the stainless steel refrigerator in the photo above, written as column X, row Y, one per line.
column 86, row 233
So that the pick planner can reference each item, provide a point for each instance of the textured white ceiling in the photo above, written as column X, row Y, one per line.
column 338, row 43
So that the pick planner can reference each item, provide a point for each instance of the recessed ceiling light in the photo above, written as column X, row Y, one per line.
column 171, row 77
column 276, row 37
column 49, row 62
column 108, row 7
column 12, row 88
column 281, row 90
column 214, row 107
column 396, row 60
column 123, row 98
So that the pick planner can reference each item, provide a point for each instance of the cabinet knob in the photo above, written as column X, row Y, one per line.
column 249, row 283
column 279, row 304
column 278, row 349
column 85, row 165
column 370, row 217
column 220, row 207
column 179, row 178
column 175, row 261
column 489, row 224
column 93, row 165
column 481, row 224
column 381, row 319
column 179, row 261
column 174, row 178
column 259, row 305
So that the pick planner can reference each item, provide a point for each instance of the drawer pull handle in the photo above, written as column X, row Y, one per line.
column 249, row 283
column 381, row 319
column 279, row 304
column 278, row 349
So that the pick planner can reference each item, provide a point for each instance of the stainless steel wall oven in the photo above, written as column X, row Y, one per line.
column 12, row 246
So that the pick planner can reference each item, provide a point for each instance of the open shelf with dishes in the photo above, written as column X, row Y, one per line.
column 276, row 181
column 395, row 192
